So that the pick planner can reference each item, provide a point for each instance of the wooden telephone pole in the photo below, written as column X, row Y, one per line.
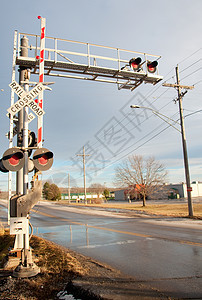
column 84, row 172
column 184, row 144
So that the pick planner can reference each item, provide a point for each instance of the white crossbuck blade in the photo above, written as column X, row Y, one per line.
column 27, row 98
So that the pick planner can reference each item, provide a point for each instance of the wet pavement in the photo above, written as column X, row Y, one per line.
column 165, row 253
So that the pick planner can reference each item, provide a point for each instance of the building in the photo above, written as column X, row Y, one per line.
column 80, row 196
column 119, row 195
column 129, row 193
column 182, row 189
column 178, row 190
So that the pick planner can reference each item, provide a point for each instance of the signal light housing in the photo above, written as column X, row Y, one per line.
column 135, row 63
column 43, row 159
column 12, row 160
column 151, row 66
column 2, row 168
column 32, row 141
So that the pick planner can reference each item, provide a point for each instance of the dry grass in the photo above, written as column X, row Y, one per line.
column 54, row 259
column 6, row 241
column 57, row 266
column 174, row 210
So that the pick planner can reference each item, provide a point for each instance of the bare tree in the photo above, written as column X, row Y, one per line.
column 148, row 174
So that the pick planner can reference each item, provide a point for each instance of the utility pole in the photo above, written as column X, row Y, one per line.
column 184, row 144
column 84, row 172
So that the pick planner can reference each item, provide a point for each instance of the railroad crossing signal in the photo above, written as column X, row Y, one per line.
column 43, row 159
column 13, row 160
column 27, row 98
column 135, row 63
column 151, row 66
column 82, row 66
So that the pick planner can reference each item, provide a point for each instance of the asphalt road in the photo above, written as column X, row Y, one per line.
column 165, row 253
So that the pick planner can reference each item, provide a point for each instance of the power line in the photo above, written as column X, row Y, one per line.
column 190, row 56
column 191, row 73
column 125, row 117
column 130, row 121
column 145, row 142
column 197, row 82
column 122, row 120
column 134, row 149
column 191, row 65
column 193, row 113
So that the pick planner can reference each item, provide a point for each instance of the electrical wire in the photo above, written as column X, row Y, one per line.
column 191, row 65
column 191, row 74
column 190, row 56
column 129, row 122
column 197, row 82
column 195, row 112
column 125, row 117
column 134, row 149
column 148, row 140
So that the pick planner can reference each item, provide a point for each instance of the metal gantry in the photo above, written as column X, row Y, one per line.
column 78, row 60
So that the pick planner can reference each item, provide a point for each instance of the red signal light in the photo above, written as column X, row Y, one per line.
column 135, row 63
column 43, row 159
column 151, row 66
column 13, row 159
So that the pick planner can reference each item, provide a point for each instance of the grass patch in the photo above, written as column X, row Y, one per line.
column 57, row 267
column 54, row 259
column 172, row 210
column 6, row 241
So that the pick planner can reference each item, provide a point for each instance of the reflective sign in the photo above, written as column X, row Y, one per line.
column 28, row 99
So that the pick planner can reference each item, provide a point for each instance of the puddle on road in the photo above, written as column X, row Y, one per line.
column 67, row 236
column 77, row 236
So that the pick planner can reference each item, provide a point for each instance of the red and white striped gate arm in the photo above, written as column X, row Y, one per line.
column 41, row 79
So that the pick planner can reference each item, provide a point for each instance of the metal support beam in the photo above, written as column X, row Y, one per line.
column 81, row 64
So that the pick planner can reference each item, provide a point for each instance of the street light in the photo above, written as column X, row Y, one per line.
column 158, row 114
column 186, row 164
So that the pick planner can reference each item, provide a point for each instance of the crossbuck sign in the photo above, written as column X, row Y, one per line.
column 26, row 99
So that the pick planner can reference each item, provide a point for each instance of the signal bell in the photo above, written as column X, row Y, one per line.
column 151, row 66
column 43, row 159
column 12, row 160
column 135, row 63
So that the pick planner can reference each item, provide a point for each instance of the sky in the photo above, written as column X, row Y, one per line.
column 98, row 115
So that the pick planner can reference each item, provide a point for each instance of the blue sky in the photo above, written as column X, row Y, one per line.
column 79, row 112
